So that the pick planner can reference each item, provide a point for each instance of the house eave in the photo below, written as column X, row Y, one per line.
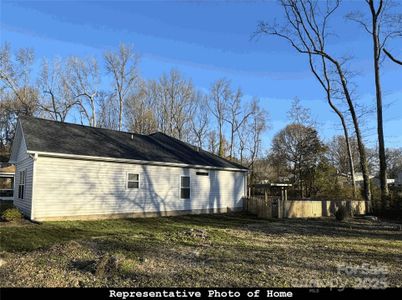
column 130, row 161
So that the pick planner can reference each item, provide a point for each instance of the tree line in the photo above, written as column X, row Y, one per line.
column 111, row 93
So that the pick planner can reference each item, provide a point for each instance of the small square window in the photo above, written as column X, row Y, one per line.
column 132, row 185
column 133, row 177
column 185, row 181
column 185, row 193
column 133, row 181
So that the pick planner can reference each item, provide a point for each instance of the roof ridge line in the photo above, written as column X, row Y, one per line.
column 80, row 125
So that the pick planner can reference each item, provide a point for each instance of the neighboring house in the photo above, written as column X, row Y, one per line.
column 69, row 171
column 7, row 183
column 359, row 177
column 374, row 180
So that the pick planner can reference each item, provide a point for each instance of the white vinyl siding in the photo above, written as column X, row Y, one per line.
column 24, row 164
column 22, row 151
column 69, row 187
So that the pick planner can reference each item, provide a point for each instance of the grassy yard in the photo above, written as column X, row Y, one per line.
column 215, row 250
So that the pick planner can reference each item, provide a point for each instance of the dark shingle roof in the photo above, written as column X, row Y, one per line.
column 65, row 138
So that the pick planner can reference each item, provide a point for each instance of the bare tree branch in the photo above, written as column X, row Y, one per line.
column 399, row 62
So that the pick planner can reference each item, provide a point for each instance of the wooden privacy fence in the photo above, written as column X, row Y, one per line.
column 275, row 207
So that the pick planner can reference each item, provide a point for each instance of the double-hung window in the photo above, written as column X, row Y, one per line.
column 21, row 184
column 185, row 187
column 133, row 181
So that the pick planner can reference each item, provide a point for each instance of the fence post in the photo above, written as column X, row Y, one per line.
column 279, row 208
column 284, row 200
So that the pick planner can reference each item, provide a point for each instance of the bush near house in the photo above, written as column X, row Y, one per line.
column 11, row 215
column 342, row 213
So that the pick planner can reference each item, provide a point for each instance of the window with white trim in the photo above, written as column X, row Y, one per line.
column 133, row 181
column 185, row 187
column 21, row 184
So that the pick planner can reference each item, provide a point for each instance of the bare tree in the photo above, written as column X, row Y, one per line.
column 108, row 111
column 323, row 75
column 83, row 81
column 258, row 124
column 237, row 115
column 123, row 65
column 306, row 30
column 394, row 161
column 213, row 141
column 15, row 76
column 8, row 119
column 245, row 141
column 139, row 112
column 174, row 97
column 199, row 121
column 18, row 94
column 381, row 26
column 57, row 99
column 178, row 104
column 220, row 93
column 299, row 114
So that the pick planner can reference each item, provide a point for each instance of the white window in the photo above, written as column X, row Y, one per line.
column 185, row 187
column 133, row 181
column 21, row 184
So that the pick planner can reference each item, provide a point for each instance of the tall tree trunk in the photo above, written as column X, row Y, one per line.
column 348, row 147
column 360, row 144
column 220, row 150
column 231, row 142
column 120, row 112
column 93, row 112
column 327, row 87
column 300, row 182
column 350, row 158
column 380, row 129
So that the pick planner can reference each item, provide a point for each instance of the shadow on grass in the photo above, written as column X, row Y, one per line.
column 34, row 236
column 332, row 228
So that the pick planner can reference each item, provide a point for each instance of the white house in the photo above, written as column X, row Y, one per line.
column 69, row 171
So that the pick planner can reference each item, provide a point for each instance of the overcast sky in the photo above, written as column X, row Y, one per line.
column 207, row 41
